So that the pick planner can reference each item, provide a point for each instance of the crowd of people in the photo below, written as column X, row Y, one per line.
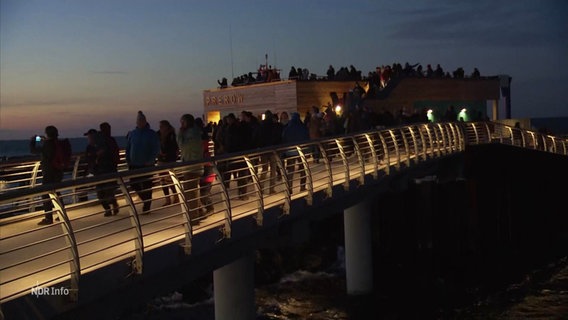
column 147, row 148
column 265, row 73
column 378, row 78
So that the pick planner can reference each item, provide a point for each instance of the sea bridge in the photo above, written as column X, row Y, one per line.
column 85, row 255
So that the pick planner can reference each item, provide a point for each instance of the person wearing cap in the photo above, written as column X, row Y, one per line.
column 142, row 148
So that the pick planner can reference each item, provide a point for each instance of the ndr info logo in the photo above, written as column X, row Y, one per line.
column 38, row 290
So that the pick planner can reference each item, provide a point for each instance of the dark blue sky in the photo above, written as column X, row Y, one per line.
column 78, row 63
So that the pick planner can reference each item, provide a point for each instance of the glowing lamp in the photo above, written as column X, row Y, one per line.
column 430, row 115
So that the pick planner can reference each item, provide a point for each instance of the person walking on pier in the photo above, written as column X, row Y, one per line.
column 168, row 154
column 103, row 163
column 295, row 131
column 51, row 173
column 109, row 164
column 189, row 142
column 142, row 148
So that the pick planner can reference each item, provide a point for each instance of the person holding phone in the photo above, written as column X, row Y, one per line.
column 50, row 174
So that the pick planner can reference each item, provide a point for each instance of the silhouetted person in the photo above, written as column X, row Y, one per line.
column 475, row 74
column 142, row 148
column 50, row 173
column 451, row 114
column 330, row 73
column 190, row 146
column 109, row 163
column 222, row 83
column 168, row 154
column 295, row 131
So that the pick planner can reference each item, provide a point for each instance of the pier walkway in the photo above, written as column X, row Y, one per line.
column 83, row 240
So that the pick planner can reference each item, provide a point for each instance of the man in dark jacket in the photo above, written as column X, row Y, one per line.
column 234, row 142
column 50, row 174
column 295, row 131
column 270, row 134
column 108, row 163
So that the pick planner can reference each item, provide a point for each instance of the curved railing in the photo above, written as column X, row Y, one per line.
column 241, row 185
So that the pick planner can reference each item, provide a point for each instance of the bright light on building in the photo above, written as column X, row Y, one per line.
column 462, row 116
column 337, row 109
column 263, row 116
column 430, row 115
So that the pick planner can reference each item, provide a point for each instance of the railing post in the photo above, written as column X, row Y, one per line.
column 475, row 133
column 387, row 153
column 463, row 136
column 74, row 174
column 374, row 155
column 406, row 147
column 185, row 210
column 430, row 141
column 396, row 149
column 488, row 131
column 422, row 143
column 511, row 135
column 416, row 153
column 523, row 139
column 455, row 128
column 442, row 133
column 227, row 229
column 75, row 263
column 533, row 139
column 260, row 200
column 137, row 264
column 437, row 137
column 360, row 159
column 35, row 171
column 345, row 163
column 280, row 166
column 33, row 181
column 326, row 161
column 309, row 178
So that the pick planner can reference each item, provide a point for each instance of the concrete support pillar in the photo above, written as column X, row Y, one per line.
column 233, row 290
column 358, row 249
column 495, row 115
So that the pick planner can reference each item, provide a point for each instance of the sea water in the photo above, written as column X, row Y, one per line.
column 14, row 149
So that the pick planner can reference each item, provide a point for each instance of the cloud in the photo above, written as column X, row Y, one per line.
column 485, row 23
column 7, row 103
column 110, row 72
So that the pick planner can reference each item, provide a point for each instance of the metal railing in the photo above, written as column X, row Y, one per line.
column 173, row 203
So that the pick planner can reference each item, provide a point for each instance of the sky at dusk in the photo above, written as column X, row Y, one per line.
column 75, row 64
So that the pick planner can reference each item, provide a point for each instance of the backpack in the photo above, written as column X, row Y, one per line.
column 113, row 149
column 63, row 153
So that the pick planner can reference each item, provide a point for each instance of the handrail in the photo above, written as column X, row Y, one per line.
column 306, row 169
